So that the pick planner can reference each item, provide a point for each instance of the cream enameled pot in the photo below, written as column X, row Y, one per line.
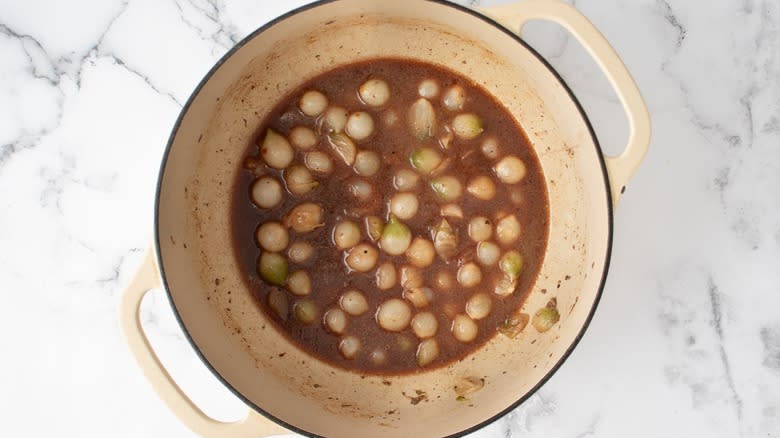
column 230, row 332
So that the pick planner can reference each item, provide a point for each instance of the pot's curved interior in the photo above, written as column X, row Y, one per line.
column 221, row 317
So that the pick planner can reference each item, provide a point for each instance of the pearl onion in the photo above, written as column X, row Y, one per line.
column 420, row 253
column 299, row 283
column 346, row 234
column 349, row 346
column 353, row 302
column 360, row 125
column 404, row 205
column 427, row 352
column 313, row 103
column 480, row 228
column 299, row 180
column 488, row 253
column 510, row 170
column 266, row 192
column 454, row 98
column 393, row 315
column 464, row 328
column 299, row 252
column 362, row 258
column 469, row 275
column 319, row 162
column 276, row 150
column 305, row 311
column 479, row 306
column 335, row 321
column 367, row 163
column 386, row 276
column 481, row 187
column 272, row 236
column 508, row 230
column 405, row 179
column 428, row 89
column 303, row 137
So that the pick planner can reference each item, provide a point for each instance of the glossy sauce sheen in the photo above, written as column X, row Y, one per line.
column 330, row 276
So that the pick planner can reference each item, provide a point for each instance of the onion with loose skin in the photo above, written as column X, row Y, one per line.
column 266, row 192
column 404, row 205
column 353, row 302
column 303, row 137
column 319, row 162
column 444, row 281
column 349, row 346
column 346, row 234
column 424, row 325
column 335, row 321
column 464, row 328
column 313, row 103
column 374, row 227
column 362, row 257
column 411, row 277
column 480, row 228
column 299, row 252
column 360, row 189
column 447, row 187
column 305, row 218
column 343, row 147
column 427, row 352
column 272, row 236
column 374, row 92
column 490, row 148
column 508, row 230
column 444, row 240
column 452, row 210
column 360, row 125
column 481, row 187
column 334, row 120
column 545, row 318
column 386, row 276
column 393, row 315
column 276, row 150
column 510, row 170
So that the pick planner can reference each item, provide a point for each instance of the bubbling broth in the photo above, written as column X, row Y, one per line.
column 390, row 217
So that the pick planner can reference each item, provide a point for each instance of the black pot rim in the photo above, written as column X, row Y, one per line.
column 476, row 15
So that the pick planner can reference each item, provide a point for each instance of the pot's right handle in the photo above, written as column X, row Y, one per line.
column 514, row 16
column 147, row 278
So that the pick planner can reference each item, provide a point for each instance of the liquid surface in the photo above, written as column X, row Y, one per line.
column 363, row 344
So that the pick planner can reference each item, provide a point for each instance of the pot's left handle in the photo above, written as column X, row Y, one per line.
column 147, row 278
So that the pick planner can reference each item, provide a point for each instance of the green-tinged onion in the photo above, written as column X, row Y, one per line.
column 273, row 268
column 425, row 160
column 427, row 351
column 396, row 237
column 514, row 325
column 467, row 126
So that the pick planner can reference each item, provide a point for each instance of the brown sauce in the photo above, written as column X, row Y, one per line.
column 331, row 277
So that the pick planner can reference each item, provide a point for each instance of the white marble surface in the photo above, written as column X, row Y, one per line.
column 686, row 341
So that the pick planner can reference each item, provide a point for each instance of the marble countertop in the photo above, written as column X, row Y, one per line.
column 686, row 341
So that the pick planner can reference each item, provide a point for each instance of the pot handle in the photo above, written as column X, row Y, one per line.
column 514, row 16
column 147, row 278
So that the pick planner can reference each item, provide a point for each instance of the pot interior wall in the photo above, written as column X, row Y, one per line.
column 226, row 324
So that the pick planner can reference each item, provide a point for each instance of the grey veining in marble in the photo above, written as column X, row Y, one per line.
column 686, row 341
